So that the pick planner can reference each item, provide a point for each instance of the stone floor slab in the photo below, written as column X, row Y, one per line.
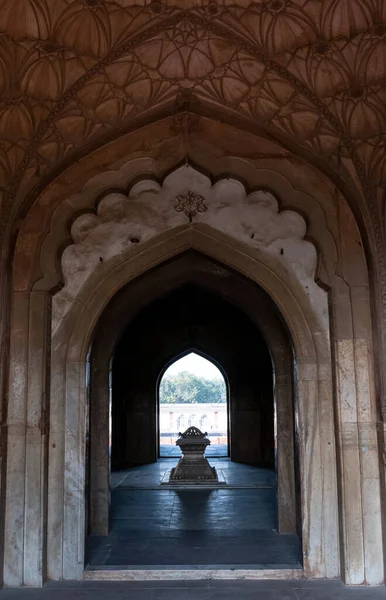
column 228, row 526
column 194, row 590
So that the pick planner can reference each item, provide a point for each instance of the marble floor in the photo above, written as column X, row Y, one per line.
column 234, row 526
column 194, row 590
column 236, row 475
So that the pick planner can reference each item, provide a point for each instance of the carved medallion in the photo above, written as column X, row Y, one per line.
column 191, row 204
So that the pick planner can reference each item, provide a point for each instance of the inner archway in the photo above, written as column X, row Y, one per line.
column 193, row 392
column 193, row 302
column 191, row 316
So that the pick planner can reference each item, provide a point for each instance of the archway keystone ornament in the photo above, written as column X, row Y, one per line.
column 190, row 204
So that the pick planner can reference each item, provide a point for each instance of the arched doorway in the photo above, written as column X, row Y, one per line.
column 193, row 391
column 191, row 317
column 192, row 302
column 93, row 321
column 322, row 417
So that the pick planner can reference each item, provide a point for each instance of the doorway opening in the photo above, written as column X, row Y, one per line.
column 243, row 522
column 192, row 391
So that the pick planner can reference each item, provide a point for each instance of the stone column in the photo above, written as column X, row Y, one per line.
column 99, row 448
column 36, row 439
column 318, row 473
column 5, row 322
column 285, row 455
column 367, row 435
column 56, row 463
column 358, row 449
column 26, row 506
column 16, row 436
column 74, row 473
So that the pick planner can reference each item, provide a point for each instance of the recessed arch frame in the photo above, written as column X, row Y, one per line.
column 119, row 314
column 247, row 297
column 314, row 394
column 61, row 495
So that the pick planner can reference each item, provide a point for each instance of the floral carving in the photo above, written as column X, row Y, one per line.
column 191, row 204
column 276, row 25
column 16, row 121
column 185, row 52
column 373, row 156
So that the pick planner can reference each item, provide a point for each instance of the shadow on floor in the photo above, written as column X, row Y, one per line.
column 235, row 525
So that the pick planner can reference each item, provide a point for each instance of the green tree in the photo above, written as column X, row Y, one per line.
column 187, row 388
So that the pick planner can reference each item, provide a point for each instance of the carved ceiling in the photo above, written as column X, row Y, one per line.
column 311, row 71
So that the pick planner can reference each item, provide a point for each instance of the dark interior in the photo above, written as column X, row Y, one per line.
column 191, row 318
column 189, row 303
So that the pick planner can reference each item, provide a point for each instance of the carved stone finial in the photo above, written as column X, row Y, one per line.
column 191, row 204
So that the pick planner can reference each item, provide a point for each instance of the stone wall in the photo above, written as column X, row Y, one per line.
column 335, row 404
column 286, row 98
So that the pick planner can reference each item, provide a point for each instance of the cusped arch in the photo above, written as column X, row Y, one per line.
column 348, row 190
column 71, row 342
column 291, row 300
column 65, row 227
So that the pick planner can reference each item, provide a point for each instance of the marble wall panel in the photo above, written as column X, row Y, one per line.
column 351, row 508
column 318, row 492
column 16, row 432
column 36, row 439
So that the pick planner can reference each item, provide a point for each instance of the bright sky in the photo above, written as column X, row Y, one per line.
column 195, row 364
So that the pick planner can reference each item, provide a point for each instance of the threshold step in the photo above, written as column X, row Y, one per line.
column 190, row 572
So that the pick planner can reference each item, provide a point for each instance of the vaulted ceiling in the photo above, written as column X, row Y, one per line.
column 309, row 72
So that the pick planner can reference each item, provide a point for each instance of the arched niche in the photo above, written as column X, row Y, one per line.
column 123, row 224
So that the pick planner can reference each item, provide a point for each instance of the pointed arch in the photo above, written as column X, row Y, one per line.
column 203, row 419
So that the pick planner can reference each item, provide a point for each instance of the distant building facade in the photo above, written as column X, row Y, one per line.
column 211, row 418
